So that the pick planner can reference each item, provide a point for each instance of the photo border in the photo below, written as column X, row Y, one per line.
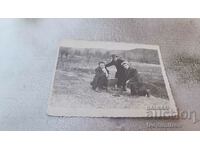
column 80, row 112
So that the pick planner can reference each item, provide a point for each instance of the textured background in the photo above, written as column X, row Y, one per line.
column 28, row 53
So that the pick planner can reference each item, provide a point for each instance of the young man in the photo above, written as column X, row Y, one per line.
column 100, row 80
column 134, row 82
column 120, row 74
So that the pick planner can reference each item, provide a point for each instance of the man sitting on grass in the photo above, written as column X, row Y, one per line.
column 100, row 81
column 134, row 81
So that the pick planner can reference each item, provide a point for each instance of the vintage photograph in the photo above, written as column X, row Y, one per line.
column 104, row 79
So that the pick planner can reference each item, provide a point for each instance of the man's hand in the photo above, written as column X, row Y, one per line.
column 127, row 81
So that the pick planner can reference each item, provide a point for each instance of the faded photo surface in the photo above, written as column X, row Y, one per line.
column 103, row 79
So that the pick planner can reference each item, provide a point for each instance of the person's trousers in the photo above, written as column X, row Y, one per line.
column 121, row 82
column 121, row 79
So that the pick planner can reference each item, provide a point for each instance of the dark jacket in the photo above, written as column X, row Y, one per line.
column 135, row 83
column 132, row 75
column 99, row 72
column 119, row 67
column 100, row 78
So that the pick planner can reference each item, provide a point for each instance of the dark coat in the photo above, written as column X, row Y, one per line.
column 99, row 72
column 119, row 67
column 135, row 83
column 133, row 76
column 100, row 78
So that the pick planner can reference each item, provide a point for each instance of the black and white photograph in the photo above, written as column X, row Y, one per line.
column 105, row 79
column 69, row 69
column 116, row 74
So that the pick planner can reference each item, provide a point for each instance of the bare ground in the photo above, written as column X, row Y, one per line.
column 71, row 90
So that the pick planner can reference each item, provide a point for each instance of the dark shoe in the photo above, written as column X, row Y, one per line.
column 116, row 95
